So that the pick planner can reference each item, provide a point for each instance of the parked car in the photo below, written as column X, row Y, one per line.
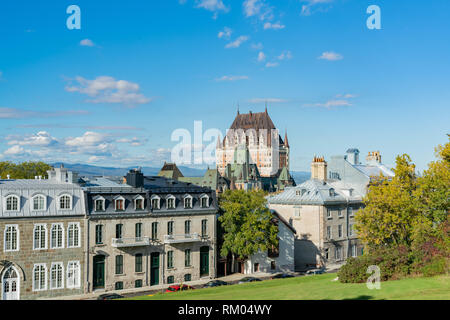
column 315, row 271
column 109, row 296
column 215, row 283
column 248, row 279
column 176, row 288
column 282, row 276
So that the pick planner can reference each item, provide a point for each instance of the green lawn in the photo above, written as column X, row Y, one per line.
column 316, row 287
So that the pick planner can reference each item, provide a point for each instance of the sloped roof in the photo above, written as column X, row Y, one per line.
column 375, row 170
column 257, row 121
column 171, row 171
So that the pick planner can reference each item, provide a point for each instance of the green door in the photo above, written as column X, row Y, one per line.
column 99, row 272
column 204, row 261
column 154, row 268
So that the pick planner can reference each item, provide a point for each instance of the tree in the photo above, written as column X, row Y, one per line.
column 247, row 224
column 25, row 170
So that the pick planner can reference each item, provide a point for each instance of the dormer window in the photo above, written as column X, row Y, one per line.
column 204, row 201
column 99, row 203
column 65, row 202
column 188, row 202
column 38, row 203
column 156, row 203
column 332, row 192
column 12, row 203
column 119, row 204
column 139, row 203
column 171, row 202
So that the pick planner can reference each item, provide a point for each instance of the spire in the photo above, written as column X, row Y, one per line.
column 266, row 106
column 238, row 108
column 219, row 143
column 286, row 142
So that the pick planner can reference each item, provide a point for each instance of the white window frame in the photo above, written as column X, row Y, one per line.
column 336, row 250
column 159, row 202
column 350, row 211
column 139, row 197
column 54, row 264
column 329, row 234
column 46, row 236
column 192, row 202
column 54, row 225
column 77, row 282
column 99, row 198
column 340, row 231
column 16, row 227
column 70, row 199
column 44, row 288
column 174, row 201
column 32, row 203
column 77, row 225
column 207, row 201
column 340, row 214
column 329, row 214
column 115, row 203
column 18, row 203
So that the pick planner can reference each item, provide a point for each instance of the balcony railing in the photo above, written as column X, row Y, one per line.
column 130, row 242
column 182, row 238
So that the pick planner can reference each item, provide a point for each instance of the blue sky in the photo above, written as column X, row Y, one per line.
column 113, row 92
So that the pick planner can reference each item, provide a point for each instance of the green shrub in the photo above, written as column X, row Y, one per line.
column 438, row 265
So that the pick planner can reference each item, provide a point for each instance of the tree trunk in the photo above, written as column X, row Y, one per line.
column 233, row 268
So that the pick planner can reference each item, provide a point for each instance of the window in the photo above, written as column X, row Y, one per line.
column 169, row 259
column 73, row 274
column 332, row 192
column 187, row 257
column 11, row 238
column 56, row 236
column 170, row 279
column 170, row 228
column 256, row 267
column 204, row 202
column 272, row 265
column 188, row 202
column 73, row 235
column 119, row 204
column 327, row 253
column 119, row 285
column 337, row 253
column 40, row 237
column 39, row 277
column 297, row 213
column 56, row 276
column 350, row 229
column 204, row 228
column 12, row 203
column 100, row 204
column 156, row 203
column 98, row 234
column 187, row 277
column 138, row 262
column 119, row 264
column 329, row 235
column 38, row 203
column 119, row 231
column 171, row 203
column 187, row 227
column 340, row 215
column 138, row 283
column 65, row 202
column 350, row 211
column 329, row 214
column 139, row 203
column 340, row 231
column 353, row 250
column 154, row 230
column 138, row 231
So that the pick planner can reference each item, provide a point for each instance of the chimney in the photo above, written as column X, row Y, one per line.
column 135, row 178
column 353, row 156
column 373, row 158
column 319, row 169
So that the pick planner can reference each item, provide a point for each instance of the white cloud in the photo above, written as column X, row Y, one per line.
column 273, row 26
column 286, row 55
column 41, row 139
column 232, row 78
column 87, row 43
column 257, row 46
column 261, row 57
column 14, row 151
column 257, row 8
column 226, row 33
column 211, row 5
column 237, row 43
column 105, row 89
column 309, row 4
column 134, row 142
column 330, row 56
column 272, row 64
column 341, row 100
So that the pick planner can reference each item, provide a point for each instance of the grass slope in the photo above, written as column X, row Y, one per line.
column 317, row 287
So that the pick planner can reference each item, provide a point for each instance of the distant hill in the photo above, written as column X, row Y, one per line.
column 300, row 176
column 89, row 170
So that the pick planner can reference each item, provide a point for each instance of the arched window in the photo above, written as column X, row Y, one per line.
column 56, row 276
column 38, row 203
column 188, row 202
column 156, row 203
column 57, row 236
column 65, row 202
column 119, row 203
column 204, row 201
column 99, row 204
column 12, row 203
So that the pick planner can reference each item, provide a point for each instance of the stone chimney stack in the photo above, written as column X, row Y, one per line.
column 319, row 169
column 374, row 158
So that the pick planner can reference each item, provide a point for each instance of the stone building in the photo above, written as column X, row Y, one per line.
column 42, row 243
column 322, row 209
column 149, row 231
